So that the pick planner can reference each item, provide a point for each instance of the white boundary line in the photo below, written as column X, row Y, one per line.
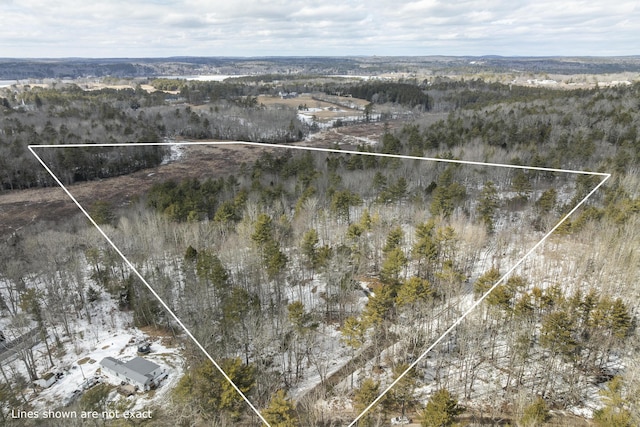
column 326, row 150
column 475, row 304
column 137, row 273
column 605, row 176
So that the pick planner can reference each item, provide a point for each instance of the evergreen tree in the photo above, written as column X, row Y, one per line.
column 309, row 247
column 210, row 268
column 102, row 213
column 210, row 393
column 394, row 239
column 96, row 398
column 441, row 410
column 487, row 205
column 342, row 201
column 190, row 254
column 402, row 393
column 275, row 260
column 353, row 333
column 368, row 391
column 281, row 411
column 414, row 291
column 556, row 334
column 615, row 412
column 535, row 414
column 425, row 249
column 226, row 213
column 263, row 230
column 299, row 318
column 547, row 201
column 366, row 221
column 486, row 281
column 620, row 319
column 354, row 231
column 446, row 195
column 392, row 265
column 521, row 184
column 378, row 307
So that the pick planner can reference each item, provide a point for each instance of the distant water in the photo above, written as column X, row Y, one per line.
column 7, row 83
column 209, row 78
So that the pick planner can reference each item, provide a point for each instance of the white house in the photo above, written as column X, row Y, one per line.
column 137, row 371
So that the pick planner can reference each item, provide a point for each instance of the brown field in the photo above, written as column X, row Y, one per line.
column 333, row 107
column 22, row 208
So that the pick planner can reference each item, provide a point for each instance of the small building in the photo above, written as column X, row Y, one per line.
column 47, row 380
column 139, row 372
column 288, row 95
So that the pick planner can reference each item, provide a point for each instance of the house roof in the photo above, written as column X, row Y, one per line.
column 141, row 365
column 137, row 369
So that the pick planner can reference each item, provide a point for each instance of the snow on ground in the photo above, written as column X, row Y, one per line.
column 329, row 355
column 176, row 151
column 109, row 334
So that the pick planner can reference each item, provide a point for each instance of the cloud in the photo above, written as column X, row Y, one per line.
column 36, row 28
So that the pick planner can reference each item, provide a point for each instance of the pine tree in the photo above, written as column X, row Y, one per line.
column 309, row 247
column 620, row 319
column 392, row 265
column 353, row 333
column 446, row 195
column 402, row 393
column 102, row 213
column 378, row 307
column 368, row 391
column 366, row 221
column 190, row 254
column 615, row 412
column 263, row 230
column 487, row 205
column 414, row 291
column 210, row 268
column 394, row 239
column 485, row 282
column 281, row 411
column 425, row 249
column 547, row 201
column 441, row 410
column 535, row 414
column 342, row 201
column 274, row 259
column 556, row 334
column 521, row 185
column 205, row 388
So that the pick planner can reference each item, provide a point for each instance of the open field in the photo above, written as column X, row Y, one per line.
column 324, row 108
column 20, row 208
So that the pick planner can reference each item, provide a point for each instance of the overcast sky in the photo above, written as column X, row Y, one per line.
column 161, row 28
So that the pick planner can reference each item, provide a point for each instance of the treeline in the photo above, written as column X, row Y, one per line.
column 70, row 115
column 561, row 129
column 399, row 93
column 199, row 92
column 476, row 93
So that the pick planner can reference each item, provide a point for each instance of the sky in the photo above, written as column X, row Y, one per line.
column 163, row 28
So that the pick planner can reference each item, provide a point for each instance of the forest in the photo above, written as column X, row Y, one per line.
column 325, row 283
